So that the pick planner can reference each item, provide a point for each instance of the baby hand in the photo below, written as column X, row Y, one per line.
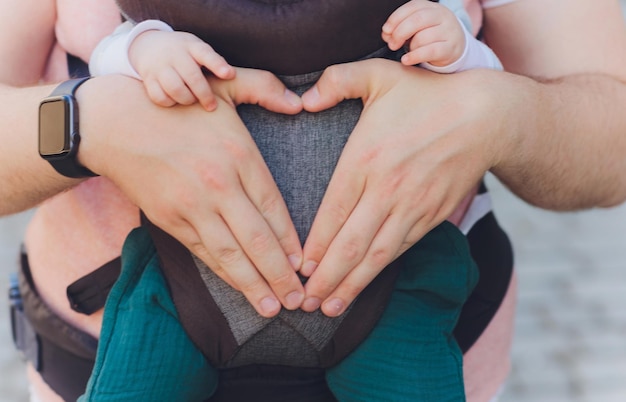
column 432, row 32
column 171, row 66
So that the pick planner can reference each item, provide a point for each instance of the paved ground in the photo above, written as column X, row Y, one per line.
column 12, row 382
column 570, row 339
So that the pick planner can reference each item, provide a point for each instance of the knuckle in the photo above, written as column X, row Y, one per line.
column 183, row 197
column 162, row 216
column 237, row 150
column 226, row 256
column 181, row 93
column 261, row 243
column 186, row 36
column 268, row 78
column 195, row 78
column 211, row 176
column 199, row 250
column 352, row 251
column 315, row 250
column 324, row 286
column 393, row 184
column 370, row 155
column 252, row 287
column 335, row 75
column 159, row 97
column 269, row 205
column 282, row 279
column 337, row 212
column 200, row 47
column 380, row 257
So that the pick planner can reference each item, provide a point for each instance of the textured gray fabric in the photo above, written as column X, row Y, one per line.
column 301, row 152
column 279, row 344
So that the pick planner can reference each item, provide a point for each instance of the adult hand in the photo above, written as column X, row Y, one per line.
column 422, row 143
column 199, row 176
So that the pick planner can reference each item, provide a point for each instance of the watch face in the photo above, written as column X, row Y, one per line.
column 54, row 130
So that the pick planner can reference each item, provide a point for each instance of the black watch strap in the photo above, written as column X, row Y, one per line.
column 68, row 165
column 69, row 87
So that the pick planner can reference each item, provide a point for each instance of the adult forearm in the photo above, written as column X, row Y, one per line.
column 570, row 147
column 25, row 178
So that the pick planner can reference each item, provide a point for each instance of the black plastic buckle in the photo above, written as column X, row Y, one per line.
column 25, row 338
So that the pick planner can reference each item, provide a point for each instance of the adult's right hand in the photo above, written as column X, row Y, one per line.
column 199, row 176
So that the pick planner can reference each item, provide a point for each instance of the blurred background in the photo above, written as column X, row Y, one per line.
column 570, row 334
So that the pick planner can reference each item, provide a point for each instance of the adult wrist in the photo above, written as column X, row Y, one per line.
column 59, row 130
column 107, row 104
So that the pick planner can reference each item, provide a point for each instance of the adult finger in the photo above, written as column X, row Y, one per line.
column 342, row 194
column 381, row 252
column 257, row 87
column 261, row 246
column 243, row 192
column 218, row 244
column 337, row 83
column 347, row 250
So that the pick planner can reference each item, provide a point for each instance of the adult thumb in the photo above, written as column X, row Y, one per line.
column 343, row 81
column 258, row 87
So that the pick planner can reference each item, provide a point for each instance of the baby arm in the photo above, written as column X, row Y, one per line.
column 169, row 63
column 436, row 39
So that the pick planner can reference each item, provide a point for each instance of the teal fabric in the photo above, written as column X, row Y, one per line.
column 144, row 353
column 411, row 354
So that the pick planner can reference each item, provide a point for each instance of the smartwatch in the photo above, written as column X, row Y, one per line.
column 59, row 137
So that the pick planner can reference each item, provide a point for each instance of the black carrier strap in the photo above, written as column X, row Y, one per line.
column 492, row 251
column 88, row 294
column 272, row 384
column 62, row 354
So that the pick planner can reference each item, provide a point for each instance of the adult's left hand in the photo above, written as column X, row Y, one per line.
column 422, row 143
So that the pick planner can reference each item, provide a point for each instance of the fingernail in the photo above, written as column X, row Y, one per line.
column 311, row 96
column 333, row 307
column 386, row 28
column 308, row 268
column 295, row 261
column 269, row 306
column 294, row 300
column 226, row 71
column 311, row 304
column 211, row 106
column 292, row 98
